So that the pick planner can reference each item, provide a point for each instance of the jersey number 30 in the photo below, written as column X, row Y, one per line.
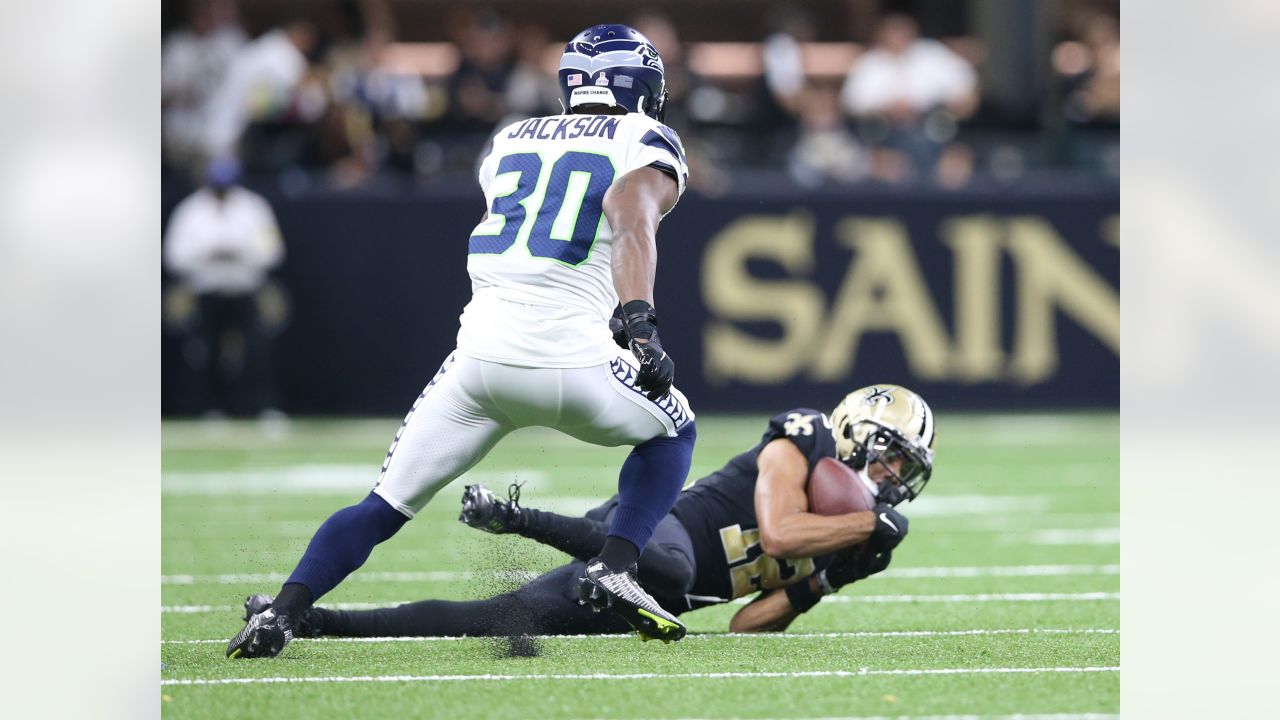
column 573, row 250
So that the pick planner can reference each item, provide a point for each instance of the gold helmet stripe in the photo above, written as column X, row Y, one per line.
column 927, row 427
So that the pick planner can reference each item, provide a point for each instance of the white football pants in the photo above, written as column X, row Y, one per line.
column 471, row 404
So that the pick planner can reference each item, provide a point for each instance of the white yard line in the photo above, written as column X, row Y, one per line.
column 418, row 576
column 1001, row 571
column 713, row 636
column 1020, row 716
column 520, row 575
column 863, row 672
column 306, row 479
column 1086, row 536
column 989, row 597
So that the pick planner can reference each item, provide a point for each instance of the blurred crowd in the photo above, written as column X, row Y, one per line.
column 335, row 99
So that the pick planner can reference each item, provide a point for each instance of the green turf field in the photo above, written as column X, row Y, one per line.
column 1003, row 600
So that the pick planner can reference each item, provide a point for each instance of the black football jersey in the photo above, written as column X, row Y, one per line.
column 720, row 514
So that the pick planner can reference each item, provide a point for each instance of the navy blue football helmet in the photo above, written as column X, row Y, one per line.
column 616, row 66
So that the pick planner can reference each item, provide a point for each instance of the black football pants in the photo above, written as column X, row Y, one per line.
column 546, row 605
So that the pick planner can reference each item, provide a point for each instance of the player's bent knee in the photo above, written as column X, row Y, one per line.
column 381, row 493
column 688, row 433
column 685, row 437
column 682, row 575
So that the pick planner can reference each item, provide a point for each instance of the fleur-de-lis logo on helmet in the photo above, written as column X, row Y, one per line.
column 879, row 395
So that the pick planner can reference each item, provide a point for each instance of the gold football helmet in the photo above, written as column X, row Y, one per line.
column 891, row 426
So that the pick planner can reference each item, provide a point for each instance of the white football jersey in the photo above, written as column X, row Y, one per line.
column 541, row 280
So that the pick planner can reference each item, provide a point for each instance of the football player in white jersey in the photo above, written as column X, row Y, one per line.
column 574, row 203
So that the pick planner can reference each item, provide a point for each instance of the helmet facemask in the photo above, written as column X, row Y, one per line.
column 904, row 465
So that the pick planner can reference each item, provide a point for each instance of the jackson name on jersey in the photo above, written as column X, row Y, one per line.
column 540, row 260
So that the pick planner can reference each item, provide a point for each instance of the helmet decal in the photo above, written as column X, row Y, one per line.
column 617, row 57
column 879, row 394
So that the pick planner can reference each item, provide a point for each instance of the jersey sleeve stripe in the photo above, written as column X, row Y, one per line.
column 655, row 140
column 667, row 169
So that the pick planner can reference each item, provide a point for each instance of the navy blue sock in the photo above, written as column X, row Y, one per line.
column 648, row 484
column 340, row 546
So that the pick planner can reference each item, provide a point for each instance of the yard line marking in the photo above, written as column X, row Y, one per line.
column 984, row 597
column 312, row 478
column 987, row 597
column 863, row 672
column 1020, row 716
column 413, row 576
column 708, row 636
column 1088, row 536
column 949, row 505
column 519, row 575
column 1001, row 571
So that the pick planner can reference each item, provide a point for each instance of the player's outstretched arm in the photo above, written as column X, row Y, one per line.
column 787, row 528
column 771, row 611
column 634, row 205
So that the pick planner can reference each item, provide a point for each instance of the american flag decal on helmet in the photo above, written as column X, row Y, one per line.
column 574, row 79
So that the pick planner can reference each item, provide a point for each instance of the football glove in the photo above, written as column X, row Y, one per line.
column 892, row 493
column 619, row 331
column 891, row 528
column 851, row 570
column 657, row 369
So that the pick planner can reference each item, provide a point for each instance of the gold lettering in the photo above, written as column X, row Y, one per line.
column 765, row 571
column 732, row 293
column 883, row 290
column 1051, row 277
column 735, row 545
column 975, row 243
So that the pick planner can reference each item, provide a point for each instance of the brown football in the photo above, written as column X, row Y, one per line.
column 835, row 489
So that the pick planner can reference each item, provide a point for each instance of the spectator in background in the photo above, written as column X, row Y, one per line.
column 477, row 91
column 691, row 100
column 380, row 112
column 221, row 242
column 783, row 56
column 1087, row 84
column 1091, row 70
column 260, row 84
column 533, row 88
column 826, row 150
column 907, row 93
column 194, row 61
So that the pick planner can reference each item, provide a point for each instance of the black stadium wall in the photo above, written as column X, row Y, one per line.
column 978, row 300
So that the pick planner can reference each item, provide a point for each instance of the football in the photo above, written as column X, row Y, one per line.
column 835, row 489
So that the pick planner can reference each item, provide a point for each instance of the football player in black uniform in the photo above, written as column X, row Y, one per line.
column 741, row 530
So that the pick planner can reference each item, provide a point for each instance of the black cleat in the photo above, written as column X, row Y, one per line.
column 255, row 604
column 264, row 635
column 481, row 509
column 602, row 589
column 307, row 626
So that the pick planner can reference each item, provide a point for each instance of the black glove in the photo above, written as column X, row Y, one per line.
column 619, row 331
column 892, row 494
column 891, row 528
column 657, row 369
column 851, row 570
